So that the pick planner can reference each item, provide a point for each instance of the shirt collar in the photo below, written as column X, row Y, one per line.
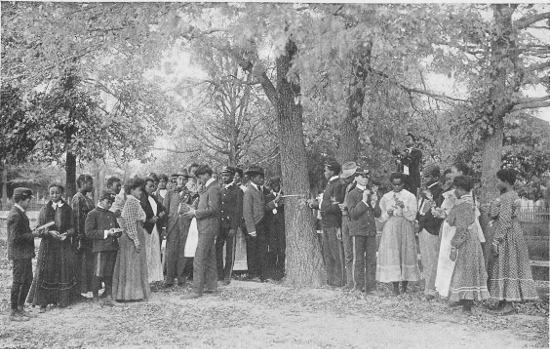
column 208, row 182
column 333, row 178
column 360, row 187
column 254, row 185
column 19, row 207
column 433, row 185
column 59, row 204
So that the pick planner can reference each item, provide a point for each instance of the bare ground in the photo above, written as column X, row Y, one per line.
column 253, row 315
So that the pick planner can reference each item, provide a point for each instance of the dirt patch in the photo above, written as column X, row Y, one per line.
column 252, row 315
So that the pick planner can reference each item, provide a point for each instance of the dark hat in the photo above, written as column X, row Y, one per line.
column 107, row 194
column 203, row 169
column 275, row 179
column 183, row 173
column 255, row 169
column 228, row 170
column 361, row 171
column 333, row 165
column 22, row 193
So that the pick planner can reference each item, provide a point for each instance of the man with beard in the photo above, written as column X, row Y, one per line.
column 231, row 215
column 176, row 203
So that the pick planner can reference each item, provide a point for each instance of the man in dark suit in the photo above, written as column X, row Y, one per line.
column 208, row 224
column 177, row 228
column 20, row 252
column 331, row 219
column 231, row 213
column 276, row 231
column 254, row 212
column 409, row 164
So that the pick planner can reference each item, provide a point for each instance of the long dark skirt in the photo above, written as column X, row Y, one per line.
column 55, row 280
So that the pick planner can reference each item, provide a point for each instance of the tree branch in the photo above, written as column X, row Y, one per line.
column 524, row 22
column 532, row 103
column 538, row 66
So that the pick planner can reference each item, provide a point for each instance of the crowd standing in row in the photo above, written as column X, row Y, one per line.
column 115, row 244
column 446, row 217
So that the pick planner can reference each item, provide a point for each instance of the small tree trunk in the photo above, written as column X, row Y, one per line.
column 70, row 175
column 4, row 204
column 304, row 264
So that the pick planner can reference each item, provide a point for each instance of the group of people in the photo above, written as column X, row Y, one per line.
column 115, row 244
column 145, row 231
column 444, row 213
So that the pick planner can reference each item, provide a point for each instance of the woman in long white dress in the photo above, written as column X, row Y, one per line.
column 154, row 213
column 397, row 254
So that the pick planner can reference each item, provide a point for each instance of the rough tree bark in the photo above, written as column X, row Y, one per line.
column 503, row 59
column 70, row 175
column 349, row 144
column 304, row 263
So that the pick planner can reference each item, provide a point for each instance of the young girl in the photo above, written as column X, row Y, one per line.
column 55, row 281
column 469, row 280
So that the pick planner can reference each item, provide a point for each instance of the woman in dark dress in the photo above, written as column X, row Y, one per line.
column 55, row 277
column 82, row 205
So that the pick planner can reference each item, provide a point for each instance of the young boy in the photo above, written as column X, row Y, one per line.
column 102, row 228
column 20, row 252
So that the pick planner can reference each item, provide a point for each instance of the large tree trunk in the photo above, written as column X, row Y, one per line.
column 349, row 145
column 503, row 60
column 304, row 264
column 70, row 175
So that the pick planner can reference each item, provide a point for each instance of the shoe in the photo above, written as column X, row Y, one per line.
column 211, row 291
column 42, row 310
column 190, row 296
column 226, row 282
column 505, row 310
column 18, row 317
column 348, row 287
column 26, row 313
column 107, row 302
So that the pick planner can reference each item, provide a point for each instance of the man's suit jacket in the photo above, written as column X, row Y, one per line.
column 253, row 207
column 171, row 203
column 208, row 210
column 146, row 205
column 331, row 215
column 231, row 210
column 20, row 238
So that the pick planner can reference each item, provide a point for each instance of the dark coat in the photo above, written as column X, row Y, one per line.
column 253, row 207
column 331, row 216
column 412, row 160
column 146, row 205
column 208, row 210
column 172, row 201
column 20, row 238
column 231, row 210
column 361, row 214
column 97, row 222
column 428, row 221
